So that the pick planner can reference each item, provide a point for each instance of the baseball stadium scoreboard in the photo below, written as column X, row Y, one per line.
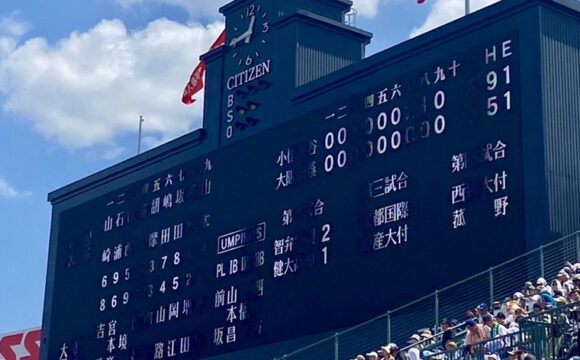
column 308, row 226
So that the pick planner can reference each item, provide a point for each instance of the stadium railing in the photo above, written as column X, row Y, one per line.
column 451, row 302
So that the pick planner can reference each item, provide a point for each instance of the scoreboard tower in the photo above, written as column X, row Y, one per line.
column 324, row 187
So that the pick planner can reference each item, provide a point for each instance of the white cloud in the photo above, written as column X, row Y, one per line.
column 11, row 29
column 368, row 8
column 90, row 88
column 13, row 26
column 444, row 11
column 7, row 191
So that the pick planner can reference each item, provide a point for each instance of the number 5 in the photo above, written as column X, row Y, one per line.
column 492, row 106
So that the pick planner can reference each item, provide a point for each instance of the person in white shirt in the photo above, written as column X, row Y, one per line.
column 542, row 285
column 414, row 353
column 531, row 298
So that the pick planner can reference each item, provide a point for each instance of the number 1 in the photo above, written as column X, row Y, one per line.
column 508, row 100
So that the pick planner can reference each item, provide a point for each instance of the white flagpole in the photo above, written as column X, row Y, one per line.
column 140, row 131
column 467, row 11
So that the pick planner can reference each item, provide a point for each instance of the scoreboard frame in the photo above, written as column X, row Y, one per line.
column 495, row 24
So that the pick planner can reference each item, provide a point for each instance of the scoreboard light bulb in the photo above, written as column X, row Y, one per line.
column 252, row 105
column 241, row 110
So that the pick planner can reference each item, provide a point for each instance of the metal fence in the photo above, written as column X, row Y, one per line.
column 497, row 283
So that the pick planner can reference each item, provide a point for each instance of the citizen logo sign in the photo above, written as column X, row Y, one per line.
column 249, row 75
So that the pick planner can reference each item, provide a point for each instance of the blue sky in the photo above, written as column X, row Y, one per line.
column 74, row 78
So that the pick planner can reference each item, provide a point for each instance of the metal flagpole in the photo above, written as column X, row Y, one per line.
column 140, row 131
column 467, row 7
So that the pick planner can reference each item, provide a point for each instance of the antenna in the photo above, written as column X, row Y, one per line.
column 141, row 120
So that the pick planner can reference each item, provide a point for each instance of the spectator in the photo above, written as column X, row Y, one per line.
column 514, row 326
column 528, row 356
column 576, row 281
column 542, row 284
column 496, row 308
column 396, row 353
column 560, row 301
column 519, row 312
column 490, row 351
column 448, row 334
column 427, row 337
column 414, row 353
column 450, row 345
column 475, row 315
column 493, row 328
column 547, row 298
column 475, row 332
column 483, row 310
column 569, row 283
column 372, row 356
column 531, row 298
column 501, row 319
column 574, row 296
column 520, row 299
column 359, row 357
column 384, row 353
column 561, row 283
column 469, row 314
column 513, row 354
column 511, row 311
column 537, row 308
column 568, row 270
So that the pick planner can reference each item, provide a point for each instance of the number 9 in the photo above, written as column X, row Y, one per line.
column 491, row 80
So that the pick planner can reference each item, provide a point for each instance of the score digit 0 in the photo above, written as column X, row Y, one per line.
column 329, row 142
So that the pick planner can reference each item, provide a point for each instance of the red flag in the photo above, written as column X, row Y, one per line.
column 420, row 1
column 195, row 83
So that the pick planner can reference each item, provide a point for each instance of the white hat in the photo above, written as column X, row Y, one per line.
column 415, row 337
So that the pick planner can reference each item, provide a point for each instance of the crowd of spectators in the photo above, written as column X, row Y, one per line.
column 491, row 325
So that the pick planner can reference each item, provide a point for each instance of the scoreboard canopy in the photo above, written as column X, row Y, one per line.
column 285, row 218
